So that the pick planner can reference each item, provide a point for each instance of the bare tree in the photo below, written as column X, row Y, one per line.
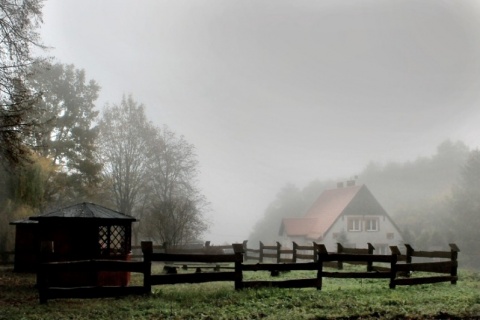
column 19, row 22
column 151, row 174
column 125, row 149
column 175, row 222
column 176, row 208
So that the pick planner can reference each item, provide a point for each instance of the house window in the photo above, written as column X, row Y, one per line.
column 354, row 224
column 381, row 248
column 371, row 224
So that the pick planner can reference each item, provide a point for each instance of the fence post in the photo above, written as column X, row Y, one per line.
column 238, row 249
column 294, row 255
column 320, row 253
column 207, row 247
column 454, row 255
column 409, row 253
column 371, row 248
column 339, row 250
column 245, row 254
column 395, row 250
column 316, row 248
column 165, row 246
column 393, row 270
column 322, row 249
column 260, row 254
column 279, row 249
column 147, row 250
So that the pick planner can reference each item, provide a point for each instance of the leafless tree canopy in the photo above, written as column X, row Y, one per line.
column 125, row 151
column 152, row 174
column 19, row 21
column 175, row 214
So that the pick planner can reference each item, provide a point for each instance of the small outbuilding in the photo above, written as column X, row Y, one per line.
column 79, row 232
column 27, row 245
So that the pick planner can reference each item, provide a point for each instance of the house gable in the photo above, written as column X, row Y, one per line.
column 364, row 203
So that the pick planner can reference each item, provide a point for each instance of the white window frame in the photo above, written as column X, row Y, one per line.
column 354, row 224
column 372, row 227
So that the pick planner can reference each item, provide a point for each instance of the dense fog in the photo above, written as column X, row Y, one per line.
column 278, row 92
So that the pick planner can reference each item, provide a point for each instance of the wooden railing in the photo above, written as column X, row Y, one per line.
column 47, row 271
column 397, row 264
column 362, row 258
column 206, row 248
column 448, row 266
column 277, row 253
column 150, row 256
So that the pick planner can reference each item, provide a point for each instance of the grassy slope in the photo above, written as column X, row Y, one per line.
column 340, row 298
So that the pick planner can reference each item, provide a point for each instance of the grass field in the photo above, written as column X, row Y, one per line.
column 339, row 299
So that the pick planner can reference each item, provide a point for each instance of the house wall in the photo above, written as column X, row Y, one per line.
column 381, row 235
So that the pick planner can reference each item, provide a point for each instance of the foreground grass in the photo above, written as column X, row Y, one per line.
column 339, row 299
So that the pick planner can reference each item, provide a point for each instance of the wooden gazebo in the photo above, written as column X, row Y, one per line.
column 81, row 232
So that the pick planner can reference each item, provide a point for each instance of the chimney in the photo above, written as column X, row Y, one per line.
column 350, row 183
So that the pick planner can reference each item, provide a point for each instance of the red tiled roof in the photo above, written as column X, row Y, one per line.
column 322, row 214
column 297, row 226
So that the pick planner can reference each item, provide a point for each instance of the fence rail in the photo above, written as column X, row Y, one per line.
column 48, row 270
column 397, row 262
column 149, row 257
column 205, row 248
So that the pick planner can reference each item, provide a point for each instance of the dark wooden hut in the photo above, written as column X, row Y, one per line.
column 26, row 245
column 81, row 232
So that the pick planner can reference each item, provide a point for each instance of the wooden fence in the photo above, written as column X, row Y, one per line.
column 397, row 263
column 47, row 271
column 205, row 248
column 276, row 253
column 150, row 256
column 449, row 265
column 363, row 258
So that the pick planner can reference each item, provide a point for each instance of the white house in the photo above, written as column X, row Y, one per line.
column 349, row 215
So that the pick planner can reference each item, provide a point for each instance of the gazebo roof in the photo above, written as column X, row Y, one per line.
column 84, row 210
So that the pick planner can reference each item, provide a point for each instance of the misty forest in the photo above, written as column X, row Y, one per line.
column 59, row 147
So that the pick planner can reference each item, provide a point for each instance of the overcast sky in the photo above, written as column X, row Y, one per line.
column 277, row 91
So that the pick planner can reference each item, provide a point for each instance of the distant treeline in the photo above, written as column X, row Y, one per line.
column 432, row 199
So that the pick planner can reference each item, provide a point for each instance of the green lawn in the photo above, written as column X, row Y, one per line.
column 339, row 299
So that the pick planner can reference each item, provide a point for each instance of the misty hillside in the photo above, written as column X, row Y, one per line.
column 400, row 185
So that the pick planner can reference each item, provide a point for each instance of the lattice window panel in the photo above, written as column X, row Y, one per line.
column 112, row 240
